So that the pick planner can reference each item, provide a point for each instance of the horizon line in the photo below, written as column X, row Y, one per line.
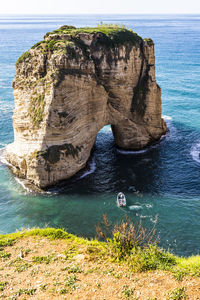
column 89, row 13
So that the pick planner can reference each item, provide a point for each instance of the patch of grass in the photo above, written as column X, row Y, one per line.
column 56, row 283
column 179, row 274
column 50, row 233
column 149, row 41
column 43, row 287
column 19, row 264
column 23, row 57
column 90, row 271
column 37, row 44
column 177, row 294
column 36, row 109
column 4, row 242
column 74, row 269
column 23, row 266
column 71, row 282
column 54, row 45
column 150, row 258
column 3, row 285
column 71, row 252
column 59, row 45
column 63, row 291
column 29, row 292
column 4, row 255
column 127, row 292
column 43, row 259
column 188, row 265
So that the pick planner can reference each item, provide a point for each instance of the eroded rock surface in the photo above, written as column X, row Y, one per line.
column 68, row 87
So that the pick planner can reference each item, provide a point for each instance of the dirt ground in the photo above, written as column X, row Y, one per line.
column 37, row 268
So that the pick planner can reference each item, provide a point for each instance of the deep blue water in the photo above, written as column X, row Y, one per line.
column 166, row 177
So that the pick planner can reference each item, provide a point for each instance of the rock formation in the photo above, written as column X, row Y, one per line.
column 70, row 85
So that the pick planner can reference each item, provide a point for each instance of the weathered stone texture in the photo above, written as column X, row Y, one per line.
column 64, row 96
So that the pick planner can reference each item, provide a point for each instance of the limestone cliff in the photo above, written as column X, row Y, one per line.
column 70, row 85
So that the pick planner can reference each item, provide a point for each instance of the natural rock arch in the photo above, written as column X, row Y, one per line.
column 69, row 86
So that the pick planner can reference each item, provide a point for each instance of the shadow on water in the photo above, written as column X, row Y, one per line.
column 155, row 170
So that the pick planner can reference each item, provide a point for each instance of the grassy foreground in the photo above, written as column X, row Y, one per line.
column 53, row 264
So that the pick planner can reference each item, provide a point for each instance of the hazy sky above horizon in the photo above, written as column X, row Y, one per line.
column 99, row 7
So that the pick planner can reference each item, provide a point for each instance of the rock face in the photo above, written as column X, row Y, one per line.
column 68, row 87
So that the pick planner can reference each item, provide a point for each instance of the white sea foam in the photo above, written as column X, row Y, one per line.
column 90, row 171
column 195, row 152
column 154, row 220
column 21, row 182
column 30, row 188
column 143, row 217
column 148, row 205
column 2, row 157
column 167, row 118
column 133, row 152
column 135, row 207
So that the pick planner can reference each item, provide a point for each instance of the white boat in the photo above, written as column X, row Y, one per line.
column 121, row 199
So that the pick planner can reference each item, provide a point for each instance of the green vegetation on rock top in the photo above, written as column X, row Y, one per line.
column 111, row 35
column 119, row 34
column 23, row 57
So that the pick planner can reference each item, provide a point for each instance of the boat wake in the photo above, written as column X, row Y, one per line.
column 135, row 207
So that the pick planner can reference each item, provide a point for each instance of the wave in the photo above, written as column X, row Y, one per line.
column 195, row 152
column 2, row 157
column 136, row 152
column 22, row 183
column 92, row 168
column 133, row 151
column 30, row 188
column 167, row 118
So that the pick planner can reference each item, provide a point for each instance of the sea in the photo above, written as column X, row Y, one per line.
column 161, row 183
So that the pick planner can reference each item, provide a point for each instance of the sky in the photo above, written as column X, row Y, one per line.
column 100, row 6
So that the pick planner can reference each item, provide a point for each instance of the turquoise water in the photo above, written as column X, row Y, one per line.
column 162, row 184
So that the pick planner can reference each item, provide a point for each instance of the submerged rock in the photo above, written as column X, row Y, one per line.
column 70, row 85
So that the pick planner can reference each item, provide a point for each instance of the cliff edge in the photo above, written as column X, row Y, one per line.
column 70, row 85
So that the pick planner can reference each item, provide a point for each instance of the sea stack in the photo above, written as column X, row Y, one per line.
column 70, row 85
